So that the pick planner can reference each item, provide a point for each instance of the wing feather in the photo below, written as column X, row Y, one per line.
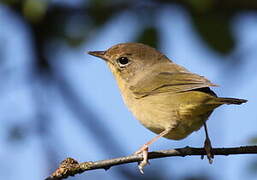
column 174, row 82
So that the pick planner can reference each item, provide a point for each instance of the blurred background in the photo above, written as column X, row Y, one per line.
column 58, row 102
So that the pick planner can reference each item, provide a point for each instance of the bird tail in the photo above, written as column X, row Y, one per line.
column 231, row 101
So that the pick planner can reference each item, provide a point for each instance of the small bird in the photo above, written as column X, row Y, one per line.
column 165, row 97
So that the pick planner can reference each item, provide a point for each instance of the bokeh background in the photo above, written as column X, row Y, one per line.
column 58, row 102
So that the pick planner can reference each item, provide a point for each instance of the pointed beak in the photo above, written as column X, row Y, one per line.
column 99, row 54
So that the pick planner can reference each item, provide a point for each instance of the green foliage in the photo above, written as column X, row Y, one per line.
column 214, row 28
column 253, row 140
column 101, row 10
column 34, row 10
column 149, row 36
column 200, row 5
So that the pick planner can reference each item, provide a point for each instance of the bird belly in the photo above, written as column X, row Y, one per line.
column 191, row 118
column 157, row 117
column 161, row 111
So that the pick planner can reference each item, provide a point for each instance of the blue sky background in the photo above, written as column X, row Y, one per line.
column 94, row 84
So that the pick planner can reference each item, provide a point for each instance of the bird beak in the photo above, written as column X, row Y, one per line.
column 99, row 54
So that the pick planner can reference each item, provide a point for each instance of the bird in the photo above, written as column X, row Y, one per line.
column 165, row 97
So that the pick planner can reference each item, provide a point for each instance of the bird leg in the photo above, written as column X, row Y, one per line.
column 144, row 150
column 208, row 146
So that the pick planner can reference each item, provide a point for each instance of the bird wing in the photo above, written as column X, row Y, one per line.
column 173, row 82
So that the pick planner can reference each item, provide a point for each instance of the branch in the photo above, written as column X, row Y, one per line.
column 70, row 167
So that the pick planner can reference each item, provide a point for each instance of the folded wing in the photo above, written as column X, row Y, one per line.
column 173, row 82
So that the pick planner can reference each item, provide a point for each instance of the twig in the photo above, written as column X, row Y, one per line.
column 70, row 167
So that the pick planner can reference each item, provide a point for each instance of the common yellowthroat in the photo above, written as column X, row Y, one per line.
column 165, row 97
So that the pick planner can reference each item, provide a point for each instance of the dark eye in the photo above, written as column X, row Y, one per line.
column 123, row 61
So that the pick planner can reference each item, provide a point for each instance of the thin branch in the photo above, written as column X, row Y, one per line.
column 70, row 167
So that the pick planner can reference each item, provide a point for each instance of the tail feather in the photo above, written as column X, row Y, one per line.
column 231, row 101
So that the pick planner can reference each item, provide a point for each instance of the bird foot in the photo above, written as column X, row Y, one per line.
column 144, row 151
column 208, row 150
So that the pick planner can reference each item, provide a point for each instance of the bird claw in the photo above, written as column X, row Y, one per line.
column 208, row 149
column 144, row 151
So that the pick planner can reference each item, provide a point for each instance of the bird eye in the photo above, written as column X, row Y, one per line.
column 123, row 61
